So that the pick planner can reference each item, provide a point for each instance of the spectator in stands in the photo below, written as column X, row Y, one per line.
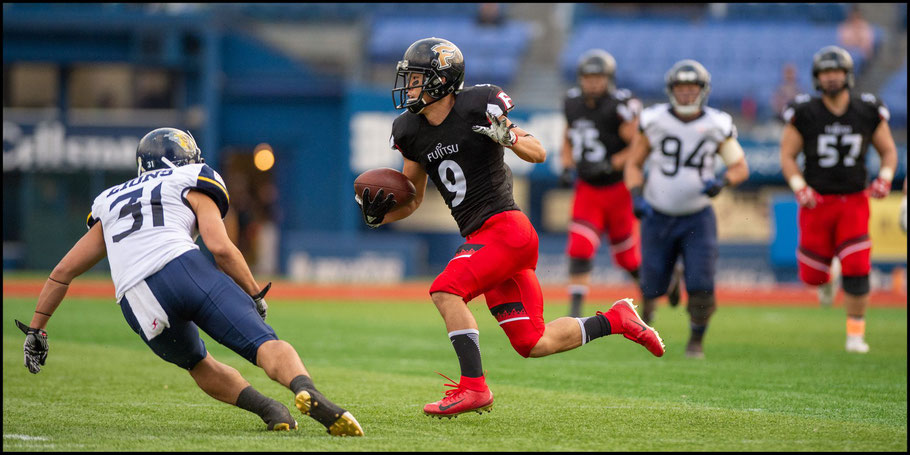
column 787, row 90
column 489, row 14
column 857, row 33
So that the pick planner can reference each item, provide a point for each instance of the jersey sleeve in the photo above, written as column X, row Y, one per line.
column 794, row 113
column 90, row 220
column 498, row 102
column 210, row 182
column 877, row 111
column 94, row 215
column 400, row 137
column 628, row 107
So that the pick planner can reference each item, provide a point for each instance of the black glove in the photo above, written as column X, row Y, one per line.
column 567, row 178
column 259, row 300
column 591, row 171
column 374, row 210
column 35, row 347
column 640, row 206
column 713, row 186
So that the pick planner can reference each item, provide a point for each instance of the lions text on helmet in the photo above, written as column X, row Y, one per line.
column 688, row 84
column 431, row 66
column 167, row 147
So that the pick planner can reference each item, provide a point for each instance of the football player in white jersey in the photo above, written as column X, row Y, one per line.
column 675, row 207
column 167, row 289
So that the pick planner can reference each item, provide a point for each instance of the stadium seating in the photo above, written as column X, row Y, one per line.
column 485, row 63
column 745, row 59
column 894, row 94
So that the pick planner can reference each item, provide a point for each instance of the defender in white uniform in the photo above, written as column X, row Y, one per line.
column 167, row 289
column 681, row 141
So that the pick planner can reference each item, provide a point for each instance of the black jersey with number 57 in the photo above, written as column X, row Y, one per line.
column 466, row 167
column 835, row 146
column 594, row 130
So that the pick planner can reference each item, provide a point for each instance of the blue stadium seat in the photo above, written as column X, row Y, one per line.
column 894, row 95
column 391, row 36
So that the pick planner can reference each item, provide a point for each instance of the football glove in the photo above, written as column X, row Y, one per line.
column 259, row 300
column 35, row 347
column 807, row 197
column 640, row 206
column 566, row 179
column 374, row 210
column 713, row 186
column 594, row 170
column 879, row 188
column 498, row 131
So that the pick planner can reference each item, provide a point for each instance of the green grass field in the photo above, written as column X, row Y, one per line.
column 775, row 379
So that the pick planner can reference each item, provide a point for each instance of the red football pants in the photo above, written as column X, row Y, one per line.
column 839, row 225
column 599, row 209
column 498, row 260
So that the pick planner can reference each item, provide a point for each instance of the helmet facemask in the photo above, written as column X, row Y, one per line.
column 688, row 72
column 432, row 85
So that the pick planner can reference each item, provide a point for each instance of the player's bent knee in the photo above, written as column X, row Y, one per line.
column 855, row 285
column 629, row 259
column 580, row 266
column 702, row 305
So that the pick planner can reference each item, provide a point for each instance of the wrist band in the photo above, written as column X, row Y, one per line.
column 886, row 173
column 796, row 183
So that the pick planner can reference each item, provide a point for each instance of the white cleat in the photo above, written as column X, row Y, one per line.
column 857, row 344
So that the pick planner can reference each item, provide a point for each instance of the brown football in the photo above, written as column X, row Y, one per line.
column 390, row 181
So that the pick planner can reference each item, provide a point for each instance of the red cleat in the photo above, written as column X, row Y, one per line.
column 635, row 329
column 460, row 400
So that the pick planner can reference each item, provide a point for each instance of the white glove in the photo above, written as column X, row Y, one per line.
column 498, row 131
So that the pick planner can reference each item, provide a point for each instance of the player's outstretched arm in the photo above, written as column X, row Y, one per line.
column 884, row 145
column 215, row 237
column 526, row 146
column 415, row 173
column 82, row 256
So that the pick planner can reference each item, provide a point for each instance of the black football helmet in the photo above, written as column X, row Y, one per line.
column 167, row 147
column 688, row 72
column 598, row 61
column 832, row 57
column 436, row 59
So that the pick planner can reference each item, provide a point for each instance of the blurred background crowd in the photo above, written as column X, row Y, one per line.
column 290, row 102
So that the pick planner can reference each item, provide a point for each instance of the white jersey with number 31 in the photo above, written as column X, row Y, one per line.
column 682, row 157
column 147, row 222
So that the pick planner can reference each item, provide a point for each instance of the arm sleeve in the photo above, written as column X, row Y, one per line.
column 210, row 183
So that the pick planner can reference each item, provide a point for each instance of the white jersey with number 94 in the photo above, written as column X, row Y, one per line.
column 683, row 157
column 147, row 222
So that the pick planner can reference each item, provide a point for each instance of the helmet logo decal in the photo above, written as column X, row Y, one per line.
column 180, row 138
column 446, row 52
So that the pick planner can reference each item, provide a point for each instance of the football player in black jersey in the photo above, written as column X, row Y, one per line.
column 600, row 123
column 834, row 132
column 455, row 137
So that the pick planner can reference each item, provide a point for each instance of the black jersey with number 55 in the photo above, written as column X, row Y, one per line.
column 835, row 146
column 594, row 130
column 466, row 167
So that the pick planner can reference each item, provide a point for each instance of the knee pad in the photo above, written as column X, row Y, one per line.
column 580, row 266
column 702, row 305
column 855, row 285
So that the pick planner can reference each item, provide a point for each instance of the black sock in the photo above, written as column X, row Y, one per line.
column 577, row 302
column 634, row 274
column 698, row 331
column 595, row 327
column 321, row 409
column 467, row 347
column 270, row 411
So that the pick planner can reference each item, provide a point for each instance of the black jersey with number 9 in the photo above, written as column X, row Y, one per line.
column 466, row 167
